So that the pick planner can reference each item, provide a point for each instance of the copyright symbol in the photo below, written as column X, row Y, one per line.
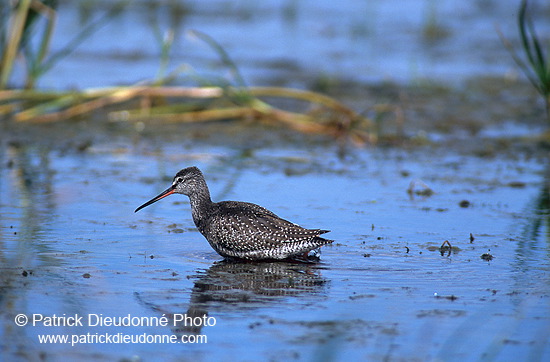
column 21, row 320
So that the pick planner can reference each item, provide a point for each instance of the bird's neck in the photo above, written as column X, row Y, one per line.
column 200, row 205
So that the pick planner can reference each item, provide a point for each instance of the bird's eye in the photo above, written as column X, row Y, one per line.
column 179, row 180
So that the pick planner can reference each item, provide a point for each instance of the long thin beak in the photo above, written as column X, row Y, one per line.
column 162, row 195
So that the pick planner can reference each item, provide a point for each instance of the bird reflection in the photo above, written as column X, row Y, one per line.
column 231, row 285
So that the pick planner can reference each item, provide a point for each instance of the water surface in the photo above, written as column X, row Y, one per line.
column 71, row 244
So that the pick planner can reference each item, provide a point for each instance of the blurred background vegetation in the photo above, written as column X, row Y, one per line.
column 181, row 93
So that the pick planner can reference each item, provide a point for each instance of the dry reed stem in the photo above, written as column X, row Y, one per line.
column 186, row 117
column 309, row 96
column 94, row 99
column 14, row 39
column 118, row 96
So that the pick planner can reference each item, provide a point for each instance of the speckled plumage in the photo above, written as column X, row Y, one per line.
column 241, row 229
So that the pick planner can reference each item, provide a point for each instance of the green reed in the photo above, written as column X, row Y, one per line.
column 29, row 18
column 534, row 64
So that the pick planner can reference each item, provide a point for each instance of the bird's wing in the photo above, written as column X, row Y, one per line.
column 256, row 228
column 275, row 226
column 244, row 207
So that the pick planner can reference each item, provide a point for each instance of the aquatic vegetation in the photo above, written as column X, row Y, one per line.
column 18, row 24
column 225, row 99
column 536, row 66
column 433, row 29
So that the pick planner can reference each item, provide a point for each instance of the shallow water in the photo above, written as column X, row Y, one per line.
column 292, row 42
column 71, row 244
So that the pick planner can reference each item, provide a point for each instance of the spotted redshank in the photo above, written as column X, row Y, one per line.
column 241, row 229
